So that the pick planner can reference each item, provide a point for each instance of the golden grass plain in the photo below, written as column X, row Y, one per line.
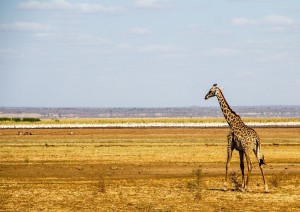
column 142, row 169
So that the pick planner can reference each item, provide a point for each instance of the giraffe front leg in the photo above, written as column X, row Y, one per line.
column 229, row 155
column 249, row 165
column 227, row 167
column 261, row 162
column 263, row 176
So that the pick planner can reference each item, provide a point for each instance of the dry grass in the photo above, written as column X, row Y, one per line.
column 161, row 169
column 130, row 145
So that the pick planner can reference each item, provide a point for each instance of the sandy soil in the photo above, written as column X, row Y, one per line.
column 141, row 170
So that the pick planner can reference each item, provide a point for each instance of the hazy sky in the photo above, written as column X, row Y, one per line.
column 148, row 53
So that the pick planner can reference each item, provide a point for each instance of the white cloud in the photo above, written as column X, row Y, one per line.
column 50, row 5
column 64, row 5
column 274, row 45
column 140, row 31
column 223, row 52
column 105, row 45
column 154, row 4
column 26, row 26
column 156, row 48
column 73, row 39
column 276, row 20
column 175, row 56
column 282, row 56
column 198, row 30
column 124, row 46
column 240, row 21
column 271, row 20
column 11, row 53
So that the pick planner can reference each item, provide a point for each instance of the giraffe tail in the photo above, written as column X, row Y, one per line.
column 262, row 161
column 261, row 158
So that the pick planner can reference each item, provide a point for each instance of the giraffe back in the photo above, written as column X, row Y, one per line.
column 248, row 138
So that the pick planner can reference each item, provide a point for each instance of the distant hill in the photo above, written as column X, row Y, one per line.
column 194, row 111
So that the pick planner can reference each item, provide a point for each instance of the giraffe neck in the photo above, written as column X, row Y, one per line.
column 231, row 117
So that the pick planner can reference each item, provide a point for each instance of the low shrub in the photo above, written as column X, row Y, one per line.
column 5, row 119
column 31, row 119
column 16, row 119
column 20, row 119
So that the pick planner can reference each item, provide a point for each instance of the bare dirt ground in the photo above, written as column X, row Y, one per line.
column 142, row 170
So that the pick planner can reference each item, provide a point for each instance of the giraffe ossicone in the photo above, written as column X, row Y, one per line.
column 240, row 137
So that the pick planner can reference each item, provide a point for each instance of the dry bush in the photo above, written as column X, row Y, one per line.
column 199, row 186
column 196, row 184
column 146, row 207
column 198, row 173
column 234, row 179
column 101, row 185
column 26, row 160
column 297, row 184
column 191, row 185
column 277, row 179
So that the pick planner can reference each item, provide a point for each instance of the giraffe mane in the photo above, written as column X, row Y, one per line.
column 228, row 105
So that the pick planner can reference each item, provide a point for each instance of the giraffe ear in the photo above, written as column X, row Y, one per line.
column 221, row 88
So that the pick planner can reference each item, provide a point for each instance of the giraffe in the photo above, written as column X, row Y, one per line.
column 241, row 137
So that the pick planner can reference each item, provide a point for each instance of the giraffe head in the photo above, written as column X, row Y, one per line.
column 212, row 92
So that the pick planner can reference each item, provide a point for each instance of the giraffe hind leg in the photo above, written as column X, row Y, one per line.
column 242, row 167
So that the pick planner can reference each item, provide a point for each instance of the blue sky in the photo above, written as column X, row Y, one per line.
column 148, row 53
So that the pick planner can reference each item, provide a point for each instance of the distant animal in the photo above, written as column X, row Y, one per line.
column 241, row 137
column 24, row 133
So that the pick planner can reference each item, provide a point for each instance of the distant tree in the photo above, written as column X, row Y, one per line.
column 5, row 119
column 16, row 119
column 20, row 119
column 31, row 119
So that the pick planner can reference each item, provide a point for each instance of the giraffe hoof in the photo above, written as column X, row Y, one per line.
column 225, row 186
column 242, row 190
column 247, row 190
column 266, row 189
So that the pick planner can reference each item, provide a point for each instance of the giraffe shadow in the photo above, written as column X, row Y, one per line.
column 219, row 189
column 234, row 190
